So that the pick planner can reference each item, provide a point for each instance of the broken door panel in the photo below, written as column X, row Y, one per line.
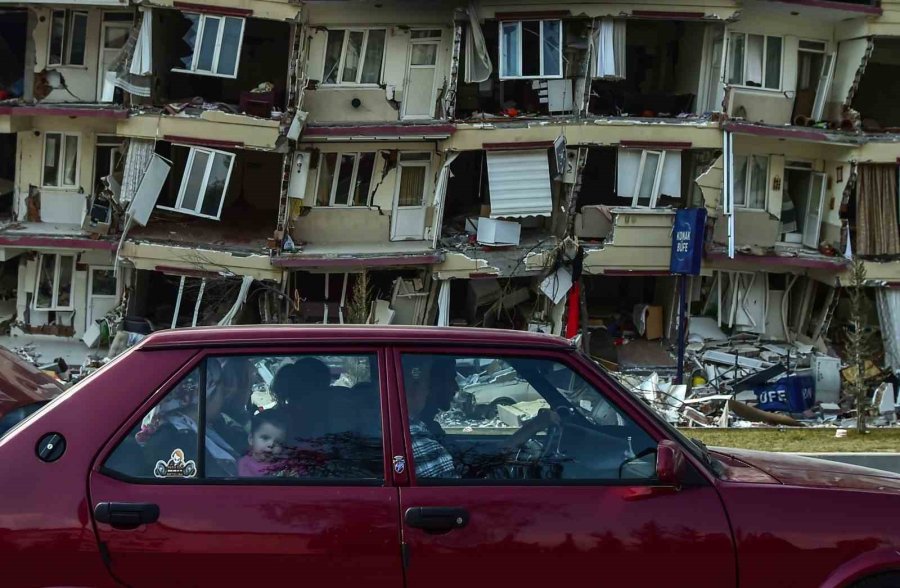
column 299, row 175
column 824, row 87
column 149, row 189
column 409, row 211
column 775, row 195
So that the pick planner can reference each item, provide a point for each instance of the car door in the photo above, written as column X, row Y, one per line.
column 184, row 495
column 589, row 509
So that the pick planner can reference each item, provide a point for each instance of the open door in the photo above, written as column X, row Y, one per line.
column 113, row 35
column 102, row 288
column 408, row 218
column 815, row 205
column 824, row 87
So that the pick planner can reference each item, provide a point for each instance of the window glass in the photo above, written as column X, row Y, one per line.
column 345, row 179
column 363, row 179
column 70, row 169
column 190, row 38
column 740, row 180
column 297, row 417
column 352, row 56
column 754, row 66
column 194, row 182
column 327, row 163
column 736, row 61
column 371, row 73
column 64, row 288
column 531, row 48
column 412, row 185
column 52, row 148
column 103, row 282
column 57, row 37
column 648, row 179
column 516, row 419
column 333, row 56
column 208, row 44
column 773, row 62
column 46, row 281
column 510, row 46
column 426, row 34
column 552, row 30
column 77, row 38
column 116, row 36
column 424, row 54
column 216, row 184
column 758, row 180
column 231, row 40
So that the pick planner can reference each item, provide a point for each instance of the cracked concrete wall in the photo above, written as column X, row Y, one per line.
column 81, row 80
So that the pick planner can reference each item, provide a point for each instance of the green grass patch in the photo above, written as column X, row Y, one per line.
column 799, row 440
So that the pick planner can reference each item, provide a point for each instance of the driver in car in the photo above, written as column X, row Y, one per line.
column 423, row 377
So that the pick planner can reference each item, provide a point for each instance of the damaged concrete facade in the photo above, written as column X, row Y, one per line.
column 493, row 163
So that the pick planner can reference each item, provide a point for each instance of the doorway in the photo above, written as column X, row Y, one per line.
column 804, row 207
column 815, row 68
column 408, row 219
column 419, row 99
column 103, row 292
column 113, row 35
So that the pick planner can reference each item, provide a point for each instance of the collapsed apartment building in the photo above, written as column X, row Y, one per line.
column 498, row 164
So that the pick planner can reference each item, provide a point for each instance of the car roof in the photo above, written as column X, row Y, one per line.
column 284, row 334
column 21, row 383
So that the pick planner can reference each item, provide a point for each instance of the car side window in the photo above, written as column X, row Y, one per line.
column 517, row 419
column 290, row 417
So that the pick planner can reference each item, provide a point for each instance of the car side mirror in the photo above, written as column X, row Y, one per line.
column 669, row 463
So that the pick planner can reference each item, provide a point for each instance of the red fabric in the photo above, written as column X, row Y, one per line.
column 574, row 311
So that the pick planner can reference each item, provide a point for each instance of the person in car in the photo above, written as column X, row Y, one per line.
column 173, row 424
column 427, row 375
column 267, row 437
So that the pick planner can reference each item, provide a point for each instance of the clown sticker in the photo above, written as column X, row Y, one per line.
column 176, row 467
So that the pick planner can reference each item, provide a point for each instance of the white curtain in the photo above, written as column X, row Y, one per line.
column 755, row 44
column 609, row 41
column 140, row 152
column 134, row 65
column 478, row 63
column 444, row 304
column 142, row 60
column 888, row 302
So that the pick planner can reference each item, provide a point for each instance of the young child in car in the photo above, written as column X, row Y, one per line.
column 268, row 431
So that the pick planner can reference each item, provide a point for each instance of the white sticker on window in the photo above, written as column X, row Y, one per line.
column 586, row 404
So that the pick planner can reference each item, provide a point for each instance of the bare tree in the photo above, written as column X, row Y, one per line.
column 360, row 300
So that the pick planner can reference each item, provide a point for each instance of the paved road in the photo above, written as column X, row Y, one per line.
column 881, row 461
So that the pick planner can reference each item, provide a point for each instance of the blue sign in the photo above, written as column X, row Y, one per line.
column 687, row 241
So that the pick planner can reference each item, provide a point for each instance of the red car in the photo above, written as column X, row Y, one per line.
column 333, row 456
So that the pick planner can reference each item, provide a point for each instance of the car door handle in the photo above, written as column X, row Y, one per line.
column 126, row 515
column 436, row 519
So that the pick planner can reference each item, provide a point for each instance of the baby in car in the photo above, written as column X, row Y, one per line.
column 268, row 431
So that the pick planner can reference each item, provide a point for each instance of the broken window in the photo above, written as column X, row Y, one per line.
column 204, row 183
column 354, row 56
column 751, row 174
column 344, row 179
column 61, row 160
column 755, row 61
column 215, row 45
column 54, row 282
column 644, row 175
column 531, row 49
column 68, row 32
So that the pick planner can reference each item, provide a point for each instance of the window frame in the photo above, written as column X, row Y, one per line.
column 743, row 84
column 501, row 52
column 54, row 299
column 657, row 177
column 65, row 57
column 60, row 161
column 748, row 180
column 354, row 178
column 626, row 406
column 182, row 188
column 378, row 354
column 362, row 58
column 217, row 51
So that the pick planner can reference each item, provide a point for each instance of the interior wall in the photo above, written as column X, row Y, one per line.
column 80, row 80
column 335, row 103
column 878, row 91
